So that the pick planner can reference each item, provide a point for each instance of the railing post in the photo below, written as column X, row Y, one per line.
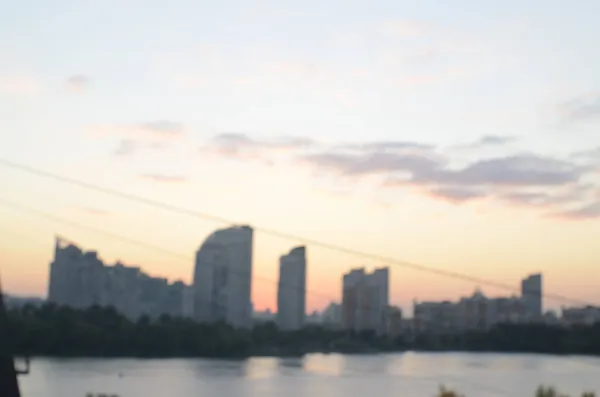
column 9, row 385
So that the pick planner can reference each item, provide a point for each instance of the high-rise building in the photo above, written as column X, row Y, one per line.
column 77, row 279
column 378, row 284
column 80, row 279
column 440, row 317
column 332, row 315
column 365, row 298
column 291, row 290
column 222, row 277
column 531, row 295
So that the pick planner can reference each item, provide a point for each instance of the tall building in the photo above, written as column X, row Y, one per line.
column 77, row 278
column 365, row 298
column 80, row 279
column 531, row 295
column 332, row 315
column 587, row 315
column 223, row 276
column 291, row 291
column 439, row 317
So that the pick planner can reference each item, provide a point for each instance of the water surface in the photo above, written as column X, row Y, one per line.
column 386, row 375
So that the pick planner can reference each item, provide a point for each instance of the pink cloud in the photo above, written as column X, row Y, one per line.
column 18, row 85
column 159, row 129
column 407, row 28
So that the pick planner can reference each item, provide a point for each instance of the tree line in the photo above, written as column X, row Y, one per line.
column 51, row 330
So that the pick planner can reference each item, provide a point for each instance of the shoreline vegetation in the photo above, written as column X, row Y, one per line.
column 542, row 391
column 54, row 331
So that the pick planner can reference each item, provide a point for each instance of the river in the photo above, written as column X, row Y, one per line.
column 407, row 375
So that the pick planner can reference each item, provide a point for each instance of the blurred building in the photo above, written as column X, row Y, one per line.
column 17, row 302
column 80, row 279
column 587, row 315
column 393, row 324
column 441, row 317
column 531, row 295
column 475, row 312
column 262, row 316
column 365, row 299
column 314, row 318
column 332, row 316
column 291, row 290
column 223, row 277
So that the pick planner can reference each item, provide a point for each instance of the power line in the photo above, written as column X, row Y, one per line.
column 144, row 244
column 276, row 233
column 197, row 300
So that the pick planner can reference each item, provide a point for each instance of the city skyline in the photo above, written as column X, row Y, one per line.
column 463, row 141
column 223, row 281
column 216, row 260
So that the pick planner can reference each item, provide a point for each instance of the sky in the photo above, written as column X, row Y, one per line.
column 460, row 136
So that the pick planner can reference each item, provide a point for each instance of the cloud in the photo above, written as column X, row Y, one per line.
column 587, row 211
column 131, row 138
column 162, row 127
column 514, row 170
column 379, row 162
column 389, row 145
column 508, row 179
column 457, row 194
column 159, row 129
column 126, row 147
column 581, row 108
column 18, row 85
column 296, row 69
column 78, row 83
column 487, row 141
column 518, row 179
column 163, row 178
column 538, row 198
column 590, row 155
column 239, row 145
column 494, row 140
column 407, row 29
column 425, row 78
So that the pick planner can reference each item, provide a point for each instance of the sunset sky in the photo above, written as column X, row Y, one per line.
column 461, row 135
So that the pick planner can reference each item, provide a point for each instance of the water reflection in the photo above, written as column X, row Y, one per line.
column 261, row 368
column 333, row 375
column 324, row 364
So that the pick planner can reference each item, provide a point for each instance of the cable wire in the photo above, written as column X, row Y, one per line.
column 276, row 233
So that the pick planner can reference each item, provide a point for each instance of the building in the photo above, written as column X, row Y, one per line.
column 332, row 316
column 475, row 312
column 394, row 325
column 439, row 317
column 507, row 310
column 291, row 290
column 587, row 315
column 77, row 279
column 314, row 318
column 365, row 298
column 81, row 279
column 17, row 302
column 531, row 294
column 259, row 317
column 223, row 277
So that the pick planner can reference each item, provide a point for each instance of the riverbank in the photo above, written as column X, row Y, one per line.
column 102, row 332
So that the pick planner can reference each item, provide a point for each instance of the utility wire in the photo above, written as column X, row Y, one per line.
column 433, row 379
column 307, row 241
column 139, row 243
